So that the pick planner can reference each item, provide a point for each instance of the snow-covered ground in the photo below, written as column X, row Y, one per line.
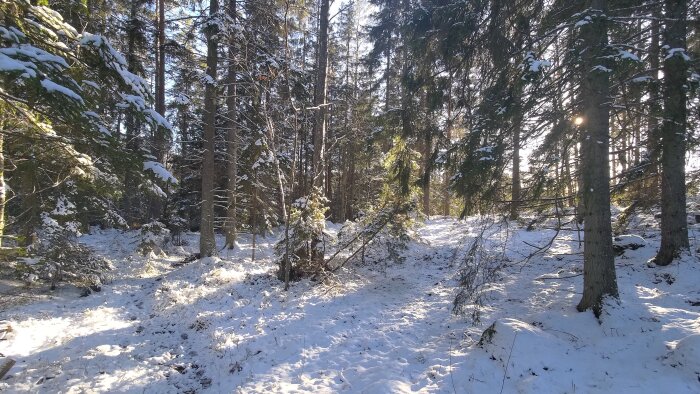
column 226, row 325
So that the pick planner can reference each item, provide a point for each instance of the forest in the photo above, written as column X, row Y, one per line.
column 371, row 196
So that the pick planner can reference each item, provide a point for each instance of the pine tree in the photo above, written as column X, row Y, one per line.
column 320, row 96
column 232, row 133
column 207, row 240
column 599, row 278
column 56, row 106
column 674, row 226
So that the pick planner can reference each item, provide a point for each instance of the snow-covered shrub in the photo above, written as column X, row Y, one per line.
column 390, row 232
column 112, row 219
column 396, row 238
column 303, row 248
column 153, row 238
column 381, row 235
column 481, row 266
column 62, row 259
column 60, row 221
column 176, row 225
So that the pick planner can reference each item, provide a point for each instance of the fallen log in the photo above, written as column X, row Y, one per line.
column 5, row 366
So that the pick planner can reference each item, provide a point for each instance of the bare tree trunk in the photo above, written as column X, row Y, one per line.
column 160, row 137
column 522, row 40
column 387, row 93
column 350, row 184
column 427, row 151
column 232, row 136
column 674, row 225
column 286, row 263
column 272, row 137
column 160, row 144
column 446, row 199
column 131, row 122
column 328, row 166
column 612, row 157
column 254, row 218
column 515, row 190
column 599, row 278
column 347, row 151
column 570, row 189
column 654, row 103
column 207, row 240
column 3, row 186
column 320, row 91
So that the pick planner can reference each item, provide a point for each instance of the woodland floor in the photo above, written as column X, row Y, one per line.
column 226, row 325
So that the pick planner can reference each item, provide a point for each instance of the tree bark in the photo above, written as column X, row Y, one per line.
column 515, row 189
column 207, row 241
column 160, row 137
column 674, row 225
column 232, row 136
column 131, row 122
column 654, row 104
column 3, row 186
column 446, row 199
column 427, row 151
column 599, row 278
column 320, row 91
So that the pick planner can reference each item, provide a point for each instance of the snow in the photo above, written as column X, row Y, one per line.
column 159, row 120
column 208, row 80
column 486, row 149
column 226, row 324
column 8, row 64
column 586, row 20
column 642, row 79
column 629, row 240
column 116, row 61
column 51, row 86
column 536, row 65
column 63, row 207
column 686, row 354
column 627, row 55
column 11, row 34
column 601, row 68
column 181, row 99
column 161, row 172
column 671, row 52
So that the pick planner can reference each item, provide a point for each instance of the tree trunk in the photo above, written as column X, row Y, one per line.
column 160, row 137
column 131, row 122
column 448, row 136
column 522, row 40
column 388, row 88
column 427, row 151
column 3, row 187
column 320, row 90
column 207, row 241
column 570, row 188
column 232, row 136
column 654, row 105
column 515, row 190
column 674, row 225
column 254, row 218
column 599, row 278
column 159, row 142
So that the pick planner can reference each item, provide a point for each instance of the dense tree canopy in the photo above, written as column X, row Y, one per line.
column 245, row 115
